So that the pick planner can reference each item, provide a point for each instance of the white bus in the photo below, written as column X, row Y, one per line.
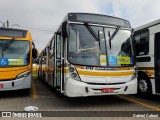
column 147, row 41
column 90, row 55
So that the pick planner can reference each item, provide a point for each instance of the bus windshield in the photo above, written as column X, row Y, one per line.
column 113, row 48
column 14, row 53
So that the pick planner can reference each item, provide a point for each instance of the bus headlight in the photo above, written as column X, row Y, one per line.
column 135, row 74
column 24, row 74
column 73, row 73
column 71, row 69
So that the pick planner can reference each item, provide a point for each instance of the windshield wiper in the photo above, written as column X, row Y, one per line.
column 112, row 36
column 93, row 33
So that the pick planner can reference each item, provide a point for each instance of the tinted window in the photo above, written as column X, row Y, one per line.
column 12, row 33
column 142, row 42
column 144, row 59
column 95, row 18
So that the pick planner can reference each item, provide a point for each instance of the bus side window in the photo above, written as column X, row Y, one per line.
column 142, row 42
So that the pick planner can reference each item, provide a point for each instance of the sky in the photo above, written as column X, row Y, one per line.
column 42, row 17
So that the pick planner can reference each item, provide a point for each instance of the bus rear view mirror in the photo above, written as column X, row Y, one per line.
column 64, row 29
column 34, row 53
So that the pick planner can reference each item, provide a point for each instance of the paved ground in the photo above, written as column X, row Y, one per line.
column 45, row 99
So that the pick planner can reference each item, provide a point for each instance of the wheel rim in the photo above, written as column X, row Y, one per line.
column 143, row 87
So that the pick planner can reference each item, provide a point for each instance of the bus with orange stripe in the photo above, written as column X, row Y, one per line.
column 41, row 63
column 90, row 55
column 147, row 41
column 16, row 54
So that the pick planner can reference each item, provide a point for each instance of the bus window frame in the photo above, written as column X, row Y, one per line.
column 29, row 62
column 79, row 23
column 146, row 43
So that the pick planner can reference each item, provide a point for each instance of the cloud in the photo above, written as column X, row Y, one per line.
column 40, row 15
column 138, row 12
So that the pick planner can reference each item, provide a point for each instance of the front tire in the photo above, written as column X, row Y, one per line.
column 144, row 86
column 58, row 93
column 26, row 91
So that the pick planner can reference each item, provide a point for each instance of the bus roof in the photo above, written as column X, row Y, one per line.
column 147, row 25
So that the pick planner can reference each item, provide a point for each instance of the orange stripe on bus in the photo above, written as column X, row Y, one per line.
column 104, row 73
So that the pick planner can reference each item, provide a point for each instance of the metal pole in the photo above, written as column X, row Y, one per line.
column 7, row 24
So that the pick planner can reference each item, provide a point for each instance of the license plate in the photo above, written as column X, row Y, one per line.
column 107, row 90
column 1, row 86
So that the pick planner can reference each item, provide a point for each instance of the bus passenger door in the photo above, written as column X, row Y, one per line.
column 58, row 64
column 47, row 65
column 157, row 62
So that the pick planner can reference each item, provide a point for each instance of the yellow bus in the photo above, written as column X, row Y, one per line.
column 16, row 52
column 90, row 55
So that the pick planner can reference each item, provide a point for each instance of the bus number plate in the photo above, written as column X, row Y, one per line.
column 107, row 90
column 1, row 86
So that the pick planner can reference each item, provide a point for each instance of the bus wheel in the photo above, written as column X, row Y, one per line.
column 58, row 93
column 144, row 87
column 26, row 91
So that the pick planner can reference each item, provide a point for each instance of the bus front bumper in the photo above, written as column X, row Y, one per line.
column 22, row 83
column 76, row 88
